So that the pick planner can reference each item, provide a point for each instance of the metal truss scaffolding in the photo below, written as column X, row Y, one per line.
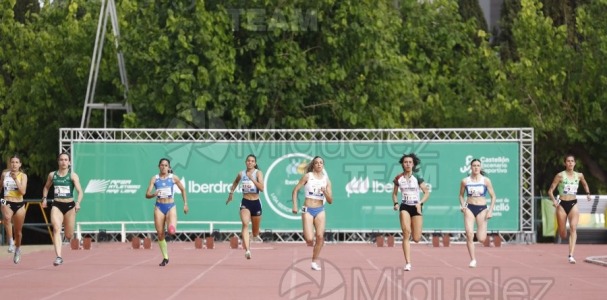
column 108, row 10
column 523, row 136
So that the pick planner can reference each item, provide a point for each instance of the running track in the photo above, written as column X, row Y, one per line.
column 282, row 271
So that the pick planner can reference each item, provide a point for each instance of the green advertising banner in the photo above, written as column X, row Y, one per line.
column 115, row 177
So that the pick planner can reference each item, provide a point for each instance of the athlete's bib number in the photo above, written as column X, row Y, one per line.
column 164, row 192
column 570, row 189
column 62, row 191
column 410, row 198
column 248, row 186
column 317, row 191
column 476, row 191
column 10, row 186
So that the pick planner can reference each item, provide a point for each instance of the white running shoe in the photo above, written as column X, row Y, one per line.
column 58, row 261
column 257, row 239
column 472, row 263
column 17, row 257
column 247, row 254
column 315, row 266
column 407, row 267
column 11, row 248
column 571, row 259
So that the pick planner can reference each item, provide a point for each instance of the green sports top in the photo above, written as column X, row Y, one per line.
column 64, row 186
column 569, row 186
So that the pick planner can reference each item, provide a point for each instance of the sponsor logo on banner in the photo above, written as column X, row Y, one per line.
column 281, row 177
column 357, row 186
column 111, row 186
column 193, row 187
column 360, row 186
column 490, row 165
column 502, row 205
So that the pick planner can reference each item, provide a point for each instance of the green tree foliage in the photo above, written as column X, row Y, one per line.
column 549, row 80
column 25, row 8
column 537, row 82
column 312, row 64
column 503, row 39
column 179, row 60
column 587, row 89
column 471, row 9
column 563, row 12
column 45, row 65
column 306, row 65
column 457, row 81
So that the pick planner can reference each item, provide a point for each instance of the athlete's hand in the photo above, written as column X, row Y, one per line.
column 229, row 198
column 489, row 214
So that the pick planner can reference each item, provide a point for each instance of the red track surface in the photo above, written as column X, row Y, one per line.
column 282, row 271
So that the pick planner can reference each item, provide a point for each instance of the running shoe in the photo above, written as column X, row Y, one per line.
column 257, row 239
column 247, row 254
column 164, row 262
column 58, row 261
column 11, row 248
column 17, row 257
column 472, row 263
column 407, row 267
column 315, row 266
column 571, row 259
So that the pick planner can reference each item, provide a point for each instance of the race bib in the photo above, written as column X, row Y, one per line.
column 570, row 189
column 10, row 186
column 62, row 191
column 410, row 198
column 248, row 186
column 164, row 192
column 476, row 191
column 317, row 191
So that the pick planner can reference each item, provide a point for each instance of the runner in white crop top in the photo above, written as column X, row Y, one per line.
column 473, row 204
column 317, row 188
